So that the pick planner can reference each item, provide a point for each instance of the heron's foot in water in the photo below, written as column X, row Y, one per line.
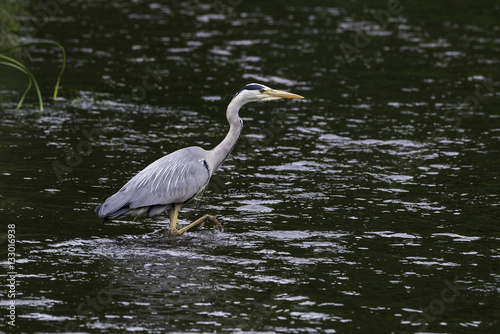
column 213, row 220
column 172, row 232
column 201, row 221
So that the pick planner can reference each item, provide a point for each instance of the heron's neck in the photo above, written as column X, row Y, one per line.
column 221, row 151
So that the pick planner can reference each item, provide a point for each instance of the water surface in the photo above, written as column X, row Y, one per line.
column 370, row 206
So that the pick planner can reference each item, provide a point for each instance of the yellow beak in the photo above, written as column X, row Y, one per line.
column 283, row 94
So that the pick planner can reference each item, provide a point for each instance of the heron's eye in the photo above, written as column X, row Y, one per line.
column 262, row 91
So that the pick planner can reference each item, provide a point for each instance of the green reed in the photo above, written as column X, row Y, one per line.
column 11, row 62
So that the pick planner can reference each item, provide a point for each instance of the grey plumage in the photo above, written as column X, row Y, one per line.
column 175, row 178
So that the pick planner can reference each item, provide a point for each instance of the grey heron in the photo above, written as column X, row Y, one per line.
column 177, row 178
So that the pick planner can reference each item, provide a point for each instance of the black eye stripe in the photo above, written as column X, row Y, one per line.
column 250, row 87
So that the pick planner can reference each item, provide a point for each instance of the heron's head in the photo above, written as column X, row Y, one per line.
column 257, row 92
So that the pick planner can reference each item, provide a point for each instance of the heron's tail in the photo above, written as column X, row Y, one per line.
column 112, row 208
column 104, row 219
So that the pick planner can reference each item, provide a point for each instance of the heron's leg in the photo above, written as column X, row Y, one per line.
column 173, row 219
column 202, row 221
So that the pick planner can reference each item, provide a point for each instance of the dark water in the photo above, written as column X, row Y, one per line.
column 370, row 206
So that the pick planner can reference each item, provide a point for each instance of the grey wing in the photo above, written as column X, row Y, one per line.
column 175, row 178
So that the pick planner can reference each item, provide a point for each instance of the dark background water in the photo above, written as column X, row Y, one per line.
column 370, row 206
